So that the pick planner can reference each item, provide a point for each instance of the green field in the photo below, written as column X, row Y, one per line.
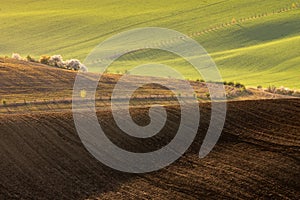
column 260, row 51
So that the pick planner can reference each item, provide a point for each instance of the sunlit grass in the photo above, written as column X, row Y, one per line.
column 256, row 52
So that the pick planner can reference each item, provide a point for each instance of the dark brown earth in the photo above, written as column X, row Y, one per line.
column 42, row 157
column 257, row 156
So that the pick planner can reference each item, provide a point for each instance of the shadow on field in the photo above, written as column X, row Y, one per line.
column 257, row 156
column 271, row 31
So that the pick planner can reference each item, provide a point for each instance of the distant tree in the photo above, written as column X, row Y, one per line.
column 44, row 59
column 56, row 61
column 296, row 93
column 230, row 83
column 16, row 56
column 271, row 89
column 73, row 64
column 239, row 85
column 30, row 59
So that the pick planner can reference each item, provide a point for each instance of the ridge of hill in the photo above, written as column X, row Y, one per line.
column 33, row 87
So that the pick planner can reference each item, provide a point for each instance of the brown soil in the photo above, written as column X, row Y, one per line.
column 257, row 156
column 34, row 82
column 42, row 157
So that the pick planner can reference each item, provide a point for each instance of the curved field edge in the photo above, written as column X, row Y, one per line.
column 262, row 51
column 256, row 157
column 73, row 31
column 74, row 27
column 32, row 87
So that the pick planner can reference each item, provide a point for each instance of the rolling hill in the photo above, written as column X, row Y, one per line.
column 256, row 157
column 253, row 42
column 42, row 156
column 34, row 87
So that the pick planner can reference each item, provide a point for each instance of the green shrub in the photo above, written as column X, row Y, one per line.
column 200, row 80
column 230, row 83
column 207, row 95
column 30, row 59
column 239, row 85
column 271, row 89
column 296, row 93
column 284, row 91
column 44, row 60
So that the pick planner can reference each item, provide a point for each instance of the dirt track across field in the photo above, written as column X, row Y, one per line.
column 258, row 156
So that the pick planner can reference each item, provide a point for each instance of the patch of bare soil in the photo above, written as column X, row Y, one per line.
column 257, row 156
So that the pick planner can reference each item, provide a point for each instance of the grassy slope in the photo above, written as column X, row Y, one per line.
column 73, row 28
